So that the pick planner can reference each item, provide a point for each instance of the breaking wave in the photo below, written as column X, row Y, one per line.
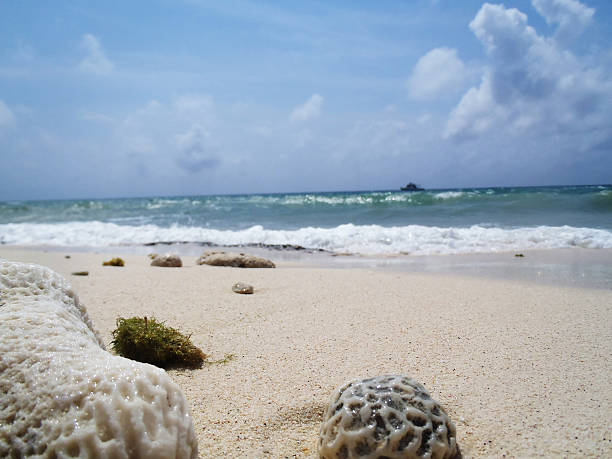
column 345, row 238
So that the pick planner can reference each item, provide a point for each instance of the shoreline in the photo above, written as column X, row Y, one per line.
column 579, row 267
column 522, row 368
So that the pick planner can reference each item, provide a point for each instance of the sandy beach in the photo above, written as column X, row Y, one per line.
column 522, row 368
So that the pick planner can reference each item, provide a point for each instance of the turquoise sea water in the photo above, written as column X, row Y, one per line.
column 367, row 222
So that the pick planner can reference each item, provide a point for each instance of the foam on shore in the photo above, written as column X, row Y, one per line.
column 347, row 238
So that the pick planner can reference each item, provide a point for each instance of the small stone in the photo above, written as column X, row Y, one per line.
column 80, row 273
column 243, row 288
column 167, row 261
column 66, row 256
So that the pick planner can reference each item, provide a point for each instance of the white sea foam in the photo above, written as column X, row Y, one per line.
column 449, row 195
column 299, row 200
column 159, row 203
column 348, row 238
column 397, row 197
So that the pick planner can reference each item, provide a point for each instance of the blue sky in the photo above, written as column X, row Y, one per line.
column 195, row 97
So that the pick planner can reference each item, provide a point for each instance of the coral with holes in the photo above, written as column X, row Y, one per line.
column 167, row 261
column 64, row 395
column 388, row 416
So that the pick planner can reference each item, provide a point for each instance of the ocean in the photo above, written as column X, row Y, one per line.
column 430, row 222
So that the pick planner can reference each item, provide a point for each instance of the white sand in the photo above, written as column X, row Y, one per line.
column 522, row 369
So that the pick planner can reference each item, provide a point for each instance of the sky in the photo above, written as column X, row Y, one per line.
column 190, row 97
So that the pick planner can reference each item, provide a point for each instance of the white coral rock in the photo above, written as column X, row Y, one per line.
column 167, row 261
column 388, row 416
column 64, row 395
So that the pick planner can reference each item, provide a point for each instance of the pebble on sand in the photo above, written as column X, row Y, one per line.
column 241, row 287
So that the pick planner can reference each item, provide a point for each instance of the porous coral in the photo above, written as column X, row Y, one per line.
column 63, row 395
column 167, row 261
column 388, row 416
column 236, row 260
column 150, row 341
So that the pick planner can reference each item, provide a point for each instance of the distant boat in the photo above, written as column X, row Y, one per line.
column 411, row 187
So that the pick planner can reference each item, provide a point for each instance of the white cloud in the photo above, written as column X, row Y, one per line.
column 196, row 150
column 530, row 85
column 476, row 112
column 571, row 16
column 309, row 110
column 194, row 104
column 165, row 135
column 6, row 115
column 502, row 30
column 437, row 72
column 95, row 60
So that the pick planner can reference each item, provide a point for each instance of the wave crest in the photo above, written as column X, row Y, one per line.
column 347, row 238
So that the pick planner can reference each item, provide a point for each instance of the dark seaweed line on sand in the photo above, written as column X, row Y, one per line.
column 260, row 245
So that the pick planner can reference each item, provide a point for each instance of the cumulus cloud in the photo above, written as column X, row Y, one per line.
column 476, row 112
column 531, row 83
column 95, row 60
column 571, row 16
column 6, row 115
column 437, row 72
column 164, row 135
column 196, row 151
column 309, row 110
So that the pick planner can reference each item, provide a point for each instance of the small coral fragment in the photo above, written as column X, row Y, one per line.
column 150, row 341
column 167, row 261
column 236, row 260
column 114, row 262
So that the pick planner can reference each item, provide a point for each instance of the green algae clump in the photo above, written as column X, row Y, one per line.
column 150, row 341
column 114, row 262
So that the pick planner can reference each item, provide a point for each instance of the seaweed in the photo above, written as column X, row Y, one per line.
column 150, row 341
column 114, row 262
